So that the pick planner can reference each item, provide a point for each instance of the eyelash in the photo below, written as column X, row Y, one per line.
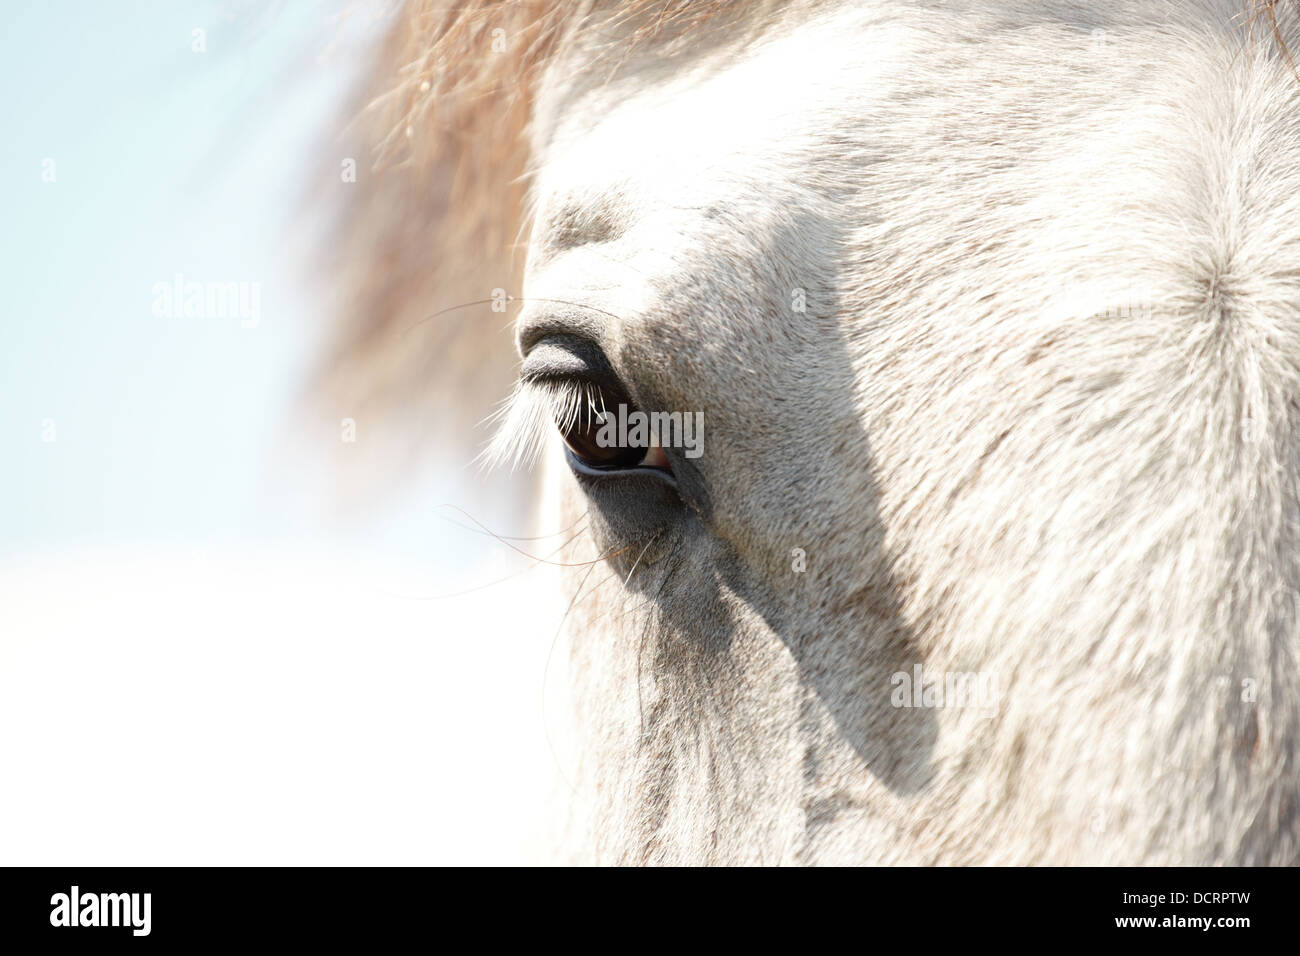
column 527, row 419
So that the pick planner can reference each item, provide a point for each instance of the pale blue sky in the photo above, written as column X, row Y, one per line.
column 166, row 161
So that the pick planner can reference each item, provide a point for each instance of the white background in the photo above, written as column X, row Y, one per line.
column 195, row 669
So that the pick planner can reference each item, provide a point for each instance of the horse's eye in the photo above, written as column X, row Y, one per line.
column 591, row 432
column 603, row 430
column 597, row 434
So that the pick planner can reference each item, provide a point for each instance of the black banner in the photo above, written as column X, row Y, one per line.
column 145, row 907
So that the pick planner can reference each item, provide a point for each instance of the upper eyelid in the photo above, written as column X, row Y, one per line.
column 544, row 318
column 564, row 356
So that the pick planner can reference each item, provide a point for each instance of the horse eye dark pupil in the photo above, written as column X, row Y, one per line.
column 583, row 438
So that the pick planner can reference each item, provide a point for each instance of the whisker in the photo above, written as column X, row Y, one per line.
column 640, row 556
column 508, row 537
column 450, row 308
column 483, row 587
column 509, row 298
column 557, row 564
column 615, row 614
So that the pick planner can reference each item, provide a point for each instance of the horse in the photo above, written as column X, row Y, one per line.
column 989, row 552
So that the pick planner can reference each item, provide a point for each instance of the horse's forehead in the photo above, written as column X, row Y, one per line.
column 727, row 114
column 892, row 119
column 647, row 185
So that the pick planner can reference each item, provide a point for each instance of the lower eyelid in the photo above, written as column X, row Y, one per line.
column 587, row 471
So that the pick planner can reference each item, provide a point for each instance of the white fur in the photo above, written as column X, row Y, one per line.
column 1040, row 419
